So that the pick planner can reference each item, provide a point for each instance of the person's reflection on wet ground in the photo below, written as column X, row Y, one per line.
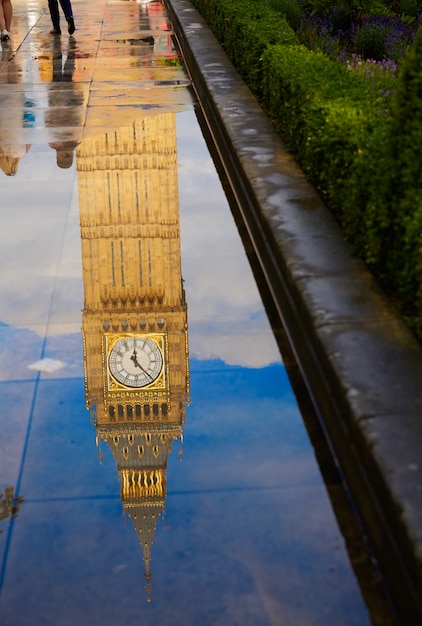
column 10, row 156
column 14, row 116
column 64, row 152
column 64, row 105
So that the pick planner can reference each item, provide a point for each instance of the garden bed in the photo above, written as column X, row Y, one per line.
column 353, row 125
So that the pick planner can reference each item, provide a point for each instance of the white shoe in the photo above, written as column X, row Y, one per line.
column 5, row 35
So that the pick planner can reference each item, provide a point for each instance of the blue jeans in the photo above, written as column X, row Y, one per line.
column 53, row 5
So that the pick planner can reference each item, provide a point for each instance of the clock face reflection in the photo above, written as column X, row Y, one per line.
column 135, row 361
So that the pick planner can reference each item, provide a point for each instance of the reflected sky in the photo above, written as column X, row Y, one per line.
column 225, row 293
column 245, row 509
column 191, row 497
column 248, row 532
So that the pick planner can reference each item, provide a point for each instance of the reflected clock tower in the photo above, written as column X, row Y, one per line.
column 134, row 322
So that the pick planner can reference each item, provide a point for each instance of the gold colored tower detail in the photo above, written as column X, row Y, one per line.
column 134, row 322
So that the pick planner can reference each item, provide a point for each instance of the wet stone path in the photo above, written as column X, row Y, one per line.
column 154, row 465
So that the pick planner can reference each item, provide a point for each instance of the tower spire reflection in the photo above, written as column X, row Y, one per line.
column 134, row 321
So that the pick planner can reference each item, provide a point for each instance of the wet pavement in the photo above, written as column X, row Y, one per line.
column 154, row 464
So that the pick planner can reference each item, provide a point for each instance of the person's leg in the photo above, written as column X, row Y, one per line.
column 68, row 13
column 2, row 20
column 8, row 13
column 53, row 5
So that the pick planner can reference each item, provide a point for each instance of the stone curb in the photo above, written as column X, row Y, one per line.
column 362, row 366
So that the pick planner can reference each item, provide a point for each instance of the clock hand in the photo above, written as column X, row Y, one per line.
column 136, row 364
column 134, row 358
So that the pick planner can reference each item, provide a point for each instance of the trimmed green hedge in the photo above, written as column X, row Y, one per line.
column 245, row 29
column 397, row 221
column 357, row 134
column 334, row 124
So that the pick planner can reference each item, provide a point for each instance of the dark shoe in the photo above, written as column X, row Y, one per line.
column 70, row 25
column 55, row 31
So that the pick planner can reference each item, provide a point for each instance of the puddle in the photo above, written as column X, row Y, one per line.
column 153, row 459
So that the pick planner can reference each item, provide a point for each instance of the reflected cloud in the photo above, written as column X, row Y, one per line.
column 47, row 365
column 227, row 319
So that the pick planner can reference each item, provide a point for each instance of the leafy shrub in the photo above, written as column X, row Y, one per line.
column 344, row 30
column 399, row 227
column 369, row 40
column 327, row 115
column 381, row 37
column 245, row 30
column 290, row 10
column 354, row 127
column 318, row 33
column 410, row 7
column 343, row 13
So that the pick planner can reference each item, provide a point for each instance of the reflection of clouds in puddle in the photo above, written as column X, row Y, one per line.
column 28, row 295
column 226, row 316
column 225, row 312
column 18, row 347
column 36, row 167
column 239, row 348
column 47, row 365
column 224, row 284
column 57, row 350
column 36, row 283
